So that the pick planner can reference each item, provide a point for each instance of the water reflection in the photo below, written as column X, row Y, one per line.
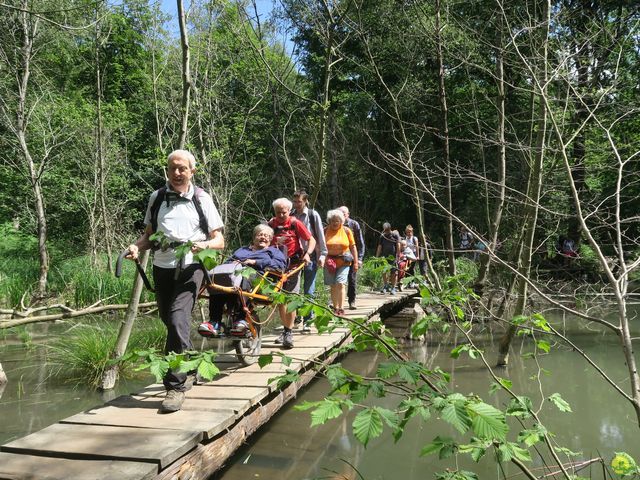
column 33, row 399
column 600, row 423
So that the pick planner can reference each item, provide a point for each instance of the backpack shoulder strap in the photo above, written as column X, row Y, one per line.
column 155, row 207
column 204, row 225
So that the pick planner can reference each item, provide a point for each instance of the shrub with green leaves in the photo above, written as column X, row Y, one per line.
column 84, row 352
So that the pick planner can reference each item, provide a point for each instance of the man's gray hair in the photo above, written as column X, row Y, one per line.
column 282, row 202
column 344, row 210
column 261, row 227
column 386, row 226
column 186, row 154
column 337, row 213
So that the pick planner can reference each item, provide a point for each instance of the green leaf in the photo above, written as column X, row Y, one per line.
column 567, row 452
column 326, row 410
column 208, row 370
column 520, row 407
column 532, row 436
column 543, row 345
column 455, row 413
column 439, row 443
column 367, row 425
column 389, row 416
column 410, row 372
column 159, row 369
column 387, row 370
column 487, row 421
column 509, row 450
column 286, row 361
column 624, row 464
column 560, row 403
column 264, row 360
column 302, row 406
column 283, row 380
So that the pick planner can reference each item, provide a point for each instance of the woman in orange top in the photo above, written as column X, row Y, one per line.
column 342, row 251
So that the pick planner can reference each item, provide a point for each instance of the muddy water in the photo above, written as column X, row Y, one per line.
column 33, row 398
column 287, row 448
column 601, row 422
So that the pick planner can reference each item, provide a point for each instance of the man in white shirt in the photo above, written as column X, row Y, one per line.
column 183, row 213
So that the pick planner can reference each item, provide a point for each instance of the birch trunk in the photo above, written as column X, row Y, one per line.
column 29, row 27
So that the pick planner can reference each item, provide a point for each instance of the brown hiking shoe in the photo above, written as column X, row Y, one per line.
column 172, row 402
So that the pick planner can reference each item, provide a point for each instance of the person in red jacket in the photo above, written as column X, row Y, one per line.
column 289, row 232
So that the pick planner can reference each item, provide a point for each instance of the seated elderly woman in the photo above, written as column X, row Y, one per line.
column 260, row 256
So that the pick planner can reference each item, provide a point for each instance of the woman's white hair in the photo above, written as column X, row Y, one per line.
column 386, row 226
column 337, row 213
column 183, row 154
column 282, row 202
column 261, row 227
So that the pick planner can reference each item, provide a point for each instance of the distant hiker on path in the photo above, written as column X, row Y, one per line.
column 389, row 246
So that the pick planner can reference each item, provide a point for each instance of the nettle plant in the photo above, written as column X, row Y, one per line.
column 425, row 394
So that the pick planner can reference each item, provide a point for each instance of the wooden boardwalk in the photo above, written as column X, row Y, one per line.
column 128, row 439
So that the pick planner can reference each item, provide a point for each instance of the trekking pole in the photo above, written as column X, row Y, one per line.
column 139, row 268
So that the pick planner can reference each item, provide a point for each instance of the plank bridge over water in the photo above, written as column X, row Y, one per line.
column 127, row 438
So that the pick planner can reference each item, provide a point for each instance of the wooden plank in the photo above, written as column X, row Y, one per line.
column 14, row 466
column 209, row 423
column 206, row 459
column 237, row 407
column 225, row 392
column 158, row 446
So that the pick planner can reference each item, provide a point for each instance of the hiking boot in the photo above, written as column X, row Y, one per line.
column 352, row 305
column 393, row 291
column 208, row 329
column 172, row 402
column 287, row 339
column 306, row 326
column 280, row 338
column 240, row 328
column 192, row 379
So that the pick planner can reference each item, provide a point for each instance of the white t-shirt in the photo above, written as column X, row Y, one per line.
column 180, row 222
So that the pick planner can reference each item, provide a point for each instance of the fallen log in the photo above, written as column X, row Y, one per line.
column 66, row 313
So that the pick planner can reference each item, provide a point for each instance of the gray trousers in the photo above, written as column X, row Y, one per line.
column 175, row 299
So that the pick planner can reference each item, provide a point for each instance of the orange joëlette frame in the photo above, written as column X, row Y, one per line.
column 253, row 294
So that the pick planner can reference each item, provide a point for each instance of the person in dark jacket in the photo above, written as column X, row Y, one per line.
column 357, row 234
column 262, row 257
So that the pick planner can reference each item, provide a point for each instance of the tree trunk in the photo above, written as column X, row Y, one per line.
column 494, row 227
column 324, row 117
column 186, row 76
column 533, row 196
column 110, row 375
column 35, row 170
column 442, row 95
column 107, row 230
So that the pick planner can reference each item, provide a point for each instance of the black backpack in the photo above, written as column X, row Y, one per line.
column 155, row 208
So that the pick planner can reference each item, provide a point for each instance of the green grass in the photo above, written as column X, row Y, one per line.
column 76, row 281
column 82, row 354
